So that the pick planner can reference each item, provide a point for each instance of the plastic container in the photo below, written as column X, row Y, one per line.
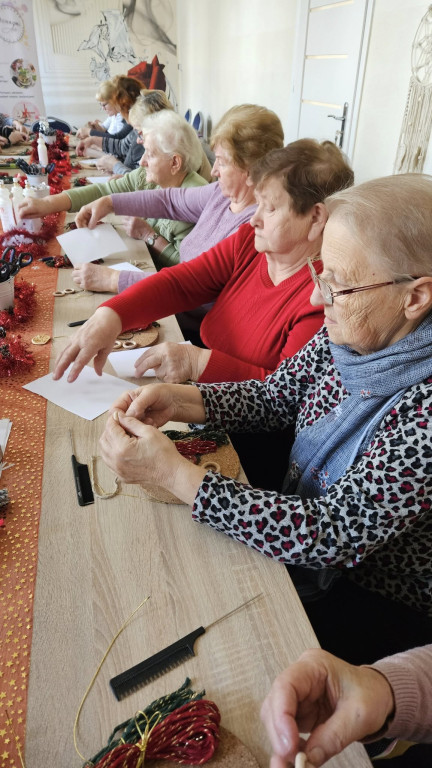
column 7, row 294
column 42, row 151
column 36, row 180
column 6, row 209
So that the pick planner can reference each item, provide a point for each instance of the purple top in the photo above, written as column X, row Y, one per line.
column 204, row 206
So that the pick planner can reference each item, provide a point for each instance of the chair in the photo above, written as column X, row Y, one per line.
column 198, row 124
column 188, row 115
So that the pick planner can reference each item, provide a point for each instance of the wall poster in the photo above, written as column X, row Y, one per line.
column 20, row 83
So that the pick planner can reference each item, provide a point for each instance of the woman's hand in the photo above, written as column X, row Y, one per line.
column 155, row 404
column 94, row 277
column 106, row 163
column 33, row 206
column 335, row 702
column 85, row 144
column 174, row 362
column 94, row 340
column 3, row 141
column 92, row 213
column 141, row 454
column 137, row 228
column 16, row 136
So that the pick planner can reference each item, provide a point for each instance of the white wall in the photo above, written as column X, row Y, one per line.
column 234, row 51
column 385, row 87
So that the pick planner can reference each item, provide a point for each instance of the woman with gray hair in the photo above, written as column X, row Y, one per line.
column 357, row 498
column 172, row 154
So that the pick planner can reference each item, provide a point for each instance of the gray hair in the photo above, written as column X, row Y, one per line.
column 174, row 136
column 392, row 219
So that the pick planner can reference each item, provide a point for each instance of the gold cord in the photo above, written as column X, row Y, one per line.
column 9, row 721
column 90, row 686
column 97, row 488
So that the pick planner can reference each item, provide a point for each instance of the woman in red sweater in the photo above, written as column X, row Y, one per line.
column 258, row 280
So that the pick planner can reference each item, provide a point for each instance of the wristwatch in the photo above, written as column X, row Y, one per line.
column 151, row 239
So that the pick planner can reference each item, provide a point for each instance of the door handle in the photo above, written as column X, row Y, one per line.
column 340, row 134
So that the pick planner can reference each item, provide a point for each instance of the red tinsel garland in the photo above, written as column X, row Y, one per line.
column 14, row 357
column 189, row 735
column 24, row 306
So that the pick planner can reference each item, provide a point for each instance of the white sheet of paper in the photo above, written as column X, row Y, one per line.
column 89, row 396
column 85, row 245
column 123, row 361
column 98, row 179
column 125, row 266
column 87, row 162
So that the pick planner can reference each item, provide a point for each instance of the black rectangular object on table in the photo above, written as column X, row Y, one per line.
column 82, row 483
column 146, row 671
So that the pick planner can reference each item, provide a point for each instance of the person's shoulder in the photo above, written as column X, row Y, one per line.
column 193, row 179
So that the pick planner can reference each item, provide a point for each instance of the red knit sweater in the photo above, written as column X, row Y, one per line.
column 253, row 325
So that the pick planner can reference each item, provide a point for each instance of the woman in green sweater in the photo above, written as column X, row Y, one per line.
column 172, row 156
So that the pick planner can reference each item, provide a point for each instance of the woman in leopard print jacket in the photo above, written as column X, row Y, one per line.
column 358, row 490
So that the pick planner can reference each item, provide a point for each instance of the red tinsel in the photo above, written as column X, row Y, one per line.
column 14, row 357
column 24, row 306
column 188, row 736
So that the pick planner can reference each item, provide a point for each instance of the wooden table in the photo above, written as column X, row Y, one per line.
column 97, row 563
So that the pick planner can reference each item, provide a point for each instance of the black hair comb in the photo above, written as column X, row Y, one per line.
column 170, row 657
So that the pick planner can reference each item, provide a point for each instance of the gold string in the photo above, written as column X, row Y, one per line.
column 97, row 488
column 142, row 745
column 9, row 722
column 90, row 686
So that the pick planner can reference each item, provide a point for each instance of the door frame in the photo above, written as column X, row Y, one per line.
column 303, row 7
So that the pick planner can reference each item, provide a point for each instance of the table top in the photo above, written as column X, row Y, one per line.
column 95, row 566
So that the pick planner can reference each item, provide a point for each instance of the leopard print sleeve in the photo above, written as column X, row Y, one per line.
column 378, row 511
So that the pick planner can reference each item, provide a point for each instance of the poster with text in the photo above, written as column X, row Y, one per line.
column 20, row 85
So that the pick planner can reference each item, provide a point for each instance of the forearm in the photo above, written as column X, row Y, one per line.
column 56, row 203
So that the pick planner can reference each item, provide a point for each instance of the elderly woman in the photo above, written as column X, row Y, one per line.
column 173, row 155
column 358, row 492
column 258, row 279
column 114, row 121
column 244, row 134
column 122, row 152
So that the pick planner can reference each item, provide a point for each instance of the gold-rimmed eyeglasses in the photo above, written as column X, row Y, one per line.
column 329, row 294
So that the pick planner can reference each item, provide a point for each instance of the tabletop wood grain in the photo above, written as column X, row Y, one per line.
column 97, row 563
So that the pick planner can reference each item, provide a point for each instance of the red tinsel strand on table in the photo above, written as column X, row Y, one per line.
column 188, row 736
column 24, row 305
column 14, row 357
column 193, row 449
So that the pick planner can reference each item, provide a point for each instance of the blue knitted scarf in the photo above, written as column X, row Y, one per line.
column 375, row 383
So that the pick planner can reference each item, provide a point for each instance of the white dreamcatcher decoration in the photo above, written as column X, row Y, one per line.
column 417, row 121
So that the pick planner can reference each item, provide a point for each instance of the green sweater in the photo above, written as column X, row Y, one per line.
column 170, row 230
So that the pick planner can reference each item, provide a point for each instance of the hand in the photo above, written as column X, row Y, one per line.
column 96, row 125
column 84, row 144
column 174, row 362
column 139, row 453
column 95, row 339
column 335, row 702
column 3, row 141
column 16, row 136
column 94, row 277
column 22, row 129
column 137, row 228
column 91, row 214
column 106, row 163
column 155, row 404
column 84, row 131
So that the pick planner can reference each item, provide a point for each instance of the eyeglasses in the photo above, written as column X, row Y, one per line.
column 329, row 295
column 104, row 104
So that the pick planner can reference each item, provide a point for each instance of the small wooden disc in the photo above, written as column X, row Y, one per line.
column 41, row 338
column 224, row 457
column 140, row 338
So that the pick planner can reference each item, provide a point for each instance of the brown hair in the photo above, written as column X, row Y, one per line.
column 308, row 171
column 106, row 91
column 147, row 103
column 248, row 132
column 126, row 92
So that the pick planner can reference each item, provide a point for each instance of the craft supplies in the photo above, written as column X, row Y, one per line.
column 175, row 654
column 42, row 151
column 11, row 262
column 82, row 479
column 6, row 209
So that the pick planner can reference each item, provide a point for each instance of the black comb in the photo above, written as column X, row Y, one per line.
column 170, row 657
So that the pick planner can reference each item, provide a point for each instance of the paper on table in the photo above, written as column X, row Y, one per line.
column 123, row 361
column 85, row 245
column 88, row 396
column 125, row 266
column 98, row 179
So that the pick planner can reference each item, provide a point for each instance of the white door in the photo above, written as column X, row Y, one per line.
column 331, row 53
